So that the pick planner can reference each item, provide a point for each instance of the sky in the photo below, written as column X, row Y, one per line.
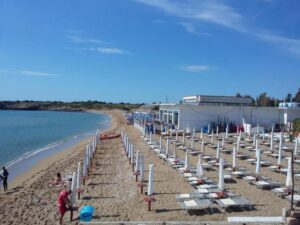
column 144, row 51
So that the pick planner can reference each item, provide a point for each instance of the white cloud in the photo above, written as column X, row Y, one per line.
column 27, row 73
column 220, row 13
column 38, row 74
column 196, row 68
column 102, row 50
column 189, row 27
column 212, row 11
column 288, row 44
column 78, row 39
column 159, row 21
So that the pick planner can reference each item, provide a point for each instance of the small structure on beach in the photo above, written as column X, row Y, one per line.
column 220, row 112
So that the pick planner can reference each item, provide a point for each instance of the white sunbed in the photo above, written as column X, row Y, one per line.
column 296, row 198
column 208, row 190
column 240, row 173
column 257, row 219
column 197, row 204
column 232, row 202
column 266, row 184
column 281, row 191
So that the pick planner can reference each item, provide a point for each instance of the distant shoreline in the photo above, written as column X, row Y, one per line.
column 80, row 106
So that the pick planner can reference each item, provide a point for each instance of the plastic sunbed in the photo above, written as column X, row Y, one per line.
column 197, row 204
column 240, row 202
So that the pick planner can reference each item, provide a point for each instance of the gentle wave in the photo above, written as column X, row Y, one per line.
column 42, row 149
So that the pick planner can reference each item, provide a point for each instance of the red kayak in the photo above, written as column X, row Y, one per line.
column 109, row 136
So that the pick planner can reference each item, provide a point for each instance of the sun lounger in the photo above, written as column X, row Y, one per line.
column 242, row 156
column 296, row 199
column 208, row 190
column 266, row 184
column 281, row 191
column 256, row 220
column 234, row 202
column 197, row 204
column 226, row 151
column 240, row 173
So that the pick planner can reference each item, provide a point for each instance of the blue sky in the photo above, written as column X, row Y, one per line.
column 145, row 50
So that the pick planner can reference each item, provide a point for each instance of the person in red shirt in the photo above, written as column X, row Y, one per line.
column 63, row 204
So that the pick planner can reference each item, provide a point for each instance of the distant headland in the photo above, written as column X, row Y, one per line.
column 78, row 106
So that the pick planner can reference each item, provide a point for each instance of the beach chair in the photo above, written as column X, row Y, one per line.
column 197, row 204
column 266, row 184
column 240, row 173
column 234, row 202
column 296, row 199
column 281, row 191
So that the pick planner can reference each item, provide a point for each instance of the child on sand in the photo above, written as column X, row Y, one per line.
column 57, row 180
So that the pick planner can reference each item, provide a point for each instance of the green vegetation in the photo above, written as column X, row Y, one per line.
column 296, row 126
column 264, row 100
column 65, row 106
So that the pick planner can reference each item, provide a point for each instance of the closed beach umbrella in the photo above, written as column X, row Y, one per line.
column 78, row 183
column 280, row 152
column 174, row 151
column 257, row 169
column 234, row 158
column 194, row 131
column 183, row 138
column 221, row 175
column 289, row 181
column 73, row 188
column 238, row 144
column 202, row 147
column 192, row 143
column 150, row 180
column 257, row 129
column 296, row 147
column 223, row 140
column 137, row 166
column 212, row 137
column 141, row 167
column 132, row 155
column 218, row 151
column 254, row 140
column 217, row 132
column 201, row 134
column 160, row 144
column 256, row 148
column 186, row 161
column 227, row 130
column 200, row 171
column 167, row 147
column 271, row 142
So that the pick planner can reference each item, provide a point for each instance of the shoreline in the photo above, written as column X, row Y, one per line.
column 53, row 154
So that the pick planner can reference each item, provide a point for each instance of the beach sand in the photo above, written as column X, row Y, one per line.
column 111, row 188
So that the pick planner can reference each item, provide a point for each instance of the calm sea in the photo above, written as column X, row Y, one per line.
column 28, row 136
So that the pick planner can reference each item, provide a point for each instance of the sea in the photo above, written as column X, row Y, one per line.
column 26, row 137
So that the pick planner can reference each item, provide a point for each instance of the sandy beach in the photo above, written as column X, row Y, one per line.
column 112, row 190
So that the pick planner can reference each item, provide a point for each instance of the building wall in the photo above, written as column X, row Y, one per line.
column 199, row 116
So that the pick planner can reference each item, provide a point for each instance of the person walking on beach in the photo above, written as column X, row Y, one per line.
column 4, row 178
column 63, row 204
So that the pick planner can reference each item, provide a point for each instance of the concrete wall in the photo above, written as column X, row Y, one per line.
column 199, row 116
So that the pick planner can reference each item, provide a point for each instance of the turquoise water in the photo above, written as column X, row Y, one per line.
column 26, row 134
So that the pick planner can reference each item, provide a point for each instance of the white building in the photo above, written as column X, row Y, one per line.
column 199, row 111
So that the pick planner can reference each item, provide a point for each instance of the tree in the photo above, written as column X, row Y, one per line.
column 288, row 98
column 297, row 96
column 238, row 95
column 263, row 100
